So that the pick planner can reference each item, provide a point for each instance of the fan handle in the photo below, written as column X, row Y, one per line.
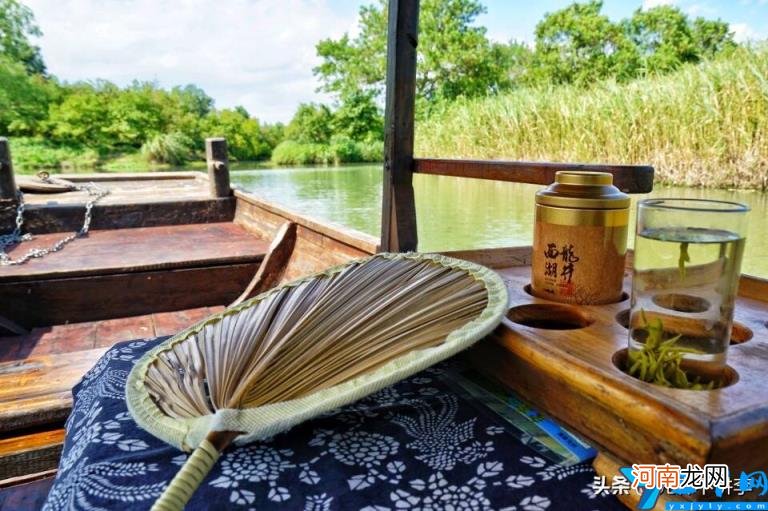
column 188, row 479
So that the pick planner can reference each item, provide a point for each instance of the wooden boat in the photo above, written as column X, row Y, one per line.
column 167, row 249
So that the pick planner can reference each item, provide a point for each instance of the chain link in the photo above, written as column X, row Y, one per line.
column 95, row 194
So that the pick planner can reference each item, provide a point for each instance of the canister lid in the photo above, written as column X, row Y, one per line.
column 584, row 190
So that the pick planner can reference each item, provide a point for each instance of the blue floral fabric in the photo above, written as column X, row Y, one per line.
column 416, row 445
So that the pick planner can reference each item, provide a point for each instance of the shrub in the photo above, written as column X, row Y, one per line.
column 31, row 153
column 371, row 150
column 340, row 150
column 344, row 149
column 173, row 148
column 290, row 152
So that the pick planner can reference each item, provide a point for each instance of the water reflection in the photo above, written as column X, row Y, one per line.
column 455, row 214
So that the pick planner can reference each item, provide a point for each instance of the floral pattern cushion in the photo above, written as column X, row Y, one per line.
column 415, row 445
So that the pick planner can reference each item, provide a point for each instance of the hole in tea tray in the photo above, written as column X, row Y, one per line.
column 726, row 377
column 622, row 318
column 549, row 316
column 681, row 303
column 740, row 333
column 624, row 296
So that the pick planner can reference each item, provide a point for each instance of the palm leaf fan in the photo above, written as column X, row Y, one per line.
column 305, row 348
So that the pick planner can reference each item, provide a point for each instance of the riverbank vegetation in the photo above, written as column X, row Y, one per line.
column 658, row 87
column 703, row 125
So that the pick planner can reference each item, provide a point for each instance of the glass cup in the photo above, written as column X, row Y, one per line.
column 687, row 263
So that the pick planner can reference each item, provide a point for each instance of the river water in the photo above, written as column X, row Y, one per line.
column 453, row 213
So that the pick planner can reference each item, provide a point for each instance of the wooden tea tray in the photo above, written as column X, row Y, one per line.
column 570, row 374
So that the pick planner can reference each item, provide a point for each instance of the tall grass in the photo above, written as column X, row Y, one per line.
column 704, row 125
column 172, row 148
column 340, row 150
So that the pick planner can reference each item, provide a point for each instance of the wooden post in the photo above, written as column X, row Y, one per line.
column 7, row 181
column 398, row 216
column 218, row 166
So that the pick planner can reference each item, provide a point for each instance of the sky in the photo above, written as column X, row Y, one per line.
column 260, row 53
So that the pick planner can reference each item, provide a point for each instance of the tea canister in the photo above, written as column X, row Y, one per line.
column 580, row 239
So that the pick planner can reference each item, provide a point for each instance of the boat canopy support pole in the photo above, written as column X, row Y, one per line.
column 398, row 218
column 218, row 167
column 7, row 181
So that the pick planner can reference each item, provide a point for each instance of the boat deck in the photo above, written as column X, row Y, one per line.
column 134, row 200
column 107, row 252
column 162, row 254
column 126, row 188
column 130, row 272
column 92, row 335
column 38, row 371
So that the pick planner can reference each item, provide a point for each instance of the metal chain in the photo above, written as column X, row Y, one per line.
column 95, row 194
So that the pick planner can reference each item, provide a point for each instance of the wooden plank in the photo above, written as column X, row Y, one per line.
column 51, row 408
column 128, row 188
column 7, row 181
column 755, row 288
column 274, row 264
column 628, row 178
column 59, row 217
column 29, row 453
column 218, row 167
column 44, row 375
column 398, row 218
column 170, row 323
column 38, row 390
column 27, row 478
column 265, row 218
column 105, row 252
column 26, row 497
column 607, row 465
column 315, row 252
column 97, row 177
column 571, row 375
column 73, row 300
column 57, row 339
column 495, row 257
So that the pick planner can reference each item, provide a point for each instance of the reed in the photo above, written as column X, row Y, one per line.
column 703, row 125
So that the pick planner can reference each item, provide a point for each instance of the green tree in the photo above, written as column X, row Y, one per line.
column 663, row 38
column 17, row 24
column 273, row 133
column 667, row 38
column 192, row 99
column 711, row 37
column 455, row 56
column 359, row 118
column 311, row 124
column 245, row 140
column 102, row 115
column 579, row 44
column 138, row 113
column 24, row 99
column 82, row 117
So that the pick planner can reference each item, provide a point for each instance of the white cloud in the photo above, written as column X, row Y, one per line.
column 255, row 53
column 742, row 32
column 650, row 4
column 701, row 10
